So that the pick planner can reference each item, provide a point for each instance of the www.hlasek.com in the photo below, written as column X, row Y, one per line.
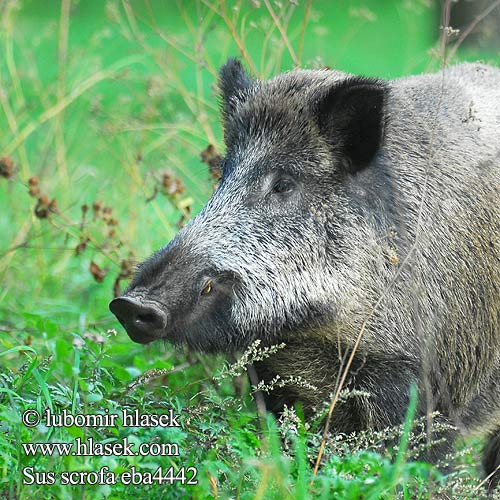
column 118, row 448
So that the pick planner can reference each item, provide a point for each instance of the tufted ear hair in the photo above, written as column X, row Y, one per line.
column 233, row 80
column 351, row 116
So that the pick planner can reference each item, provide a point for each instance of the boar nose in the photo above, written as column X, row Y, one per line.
column 144, row 323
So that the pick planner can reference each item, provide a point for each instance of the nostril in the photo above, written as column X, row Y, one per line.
column 151, row 320
column 146, row 318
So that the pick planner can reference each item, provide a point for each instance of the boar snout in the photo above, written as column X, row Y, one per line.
column 143, row 323
column 179, row 296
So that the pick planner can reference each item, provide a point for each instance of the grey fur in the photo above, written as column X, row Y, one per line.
column 419, row 226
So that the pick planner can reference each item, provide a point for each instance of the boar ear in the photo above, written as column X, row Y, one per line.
column 232, row 81
column 351, row 117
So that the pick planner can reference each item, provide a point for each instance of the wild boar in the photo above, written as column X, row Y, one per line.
column 348, row 205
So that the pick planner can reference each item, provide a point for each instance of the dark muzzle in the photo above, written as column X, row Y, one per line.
column 143, row 323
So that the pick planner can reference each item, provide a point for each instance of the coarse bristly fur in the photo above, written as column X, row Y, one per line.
column 339, row 193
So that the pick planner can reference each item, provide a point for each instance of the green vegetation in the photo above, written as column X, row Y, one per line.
column 105, row 108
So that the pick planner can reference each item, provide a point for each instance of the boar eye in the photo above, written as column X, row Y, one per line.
column 207, row 288
column 283, row 186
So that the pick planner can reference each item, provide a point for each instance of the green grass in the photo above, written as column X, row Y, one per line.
column 99, row 100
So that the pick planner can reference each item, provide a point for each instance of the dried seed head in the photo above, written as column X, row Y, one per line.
column 34, row 191
column 126, row 268
column 6, row 167
column 53, row 205
column 171, row 185
column 213, row 159
column 166, row 180
column 176, row 187
column 96, row 207
column 78, row 343
column 41, row 210
column 94, row 337
column 80, row 248
column 34, row 188
column 98, row 273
